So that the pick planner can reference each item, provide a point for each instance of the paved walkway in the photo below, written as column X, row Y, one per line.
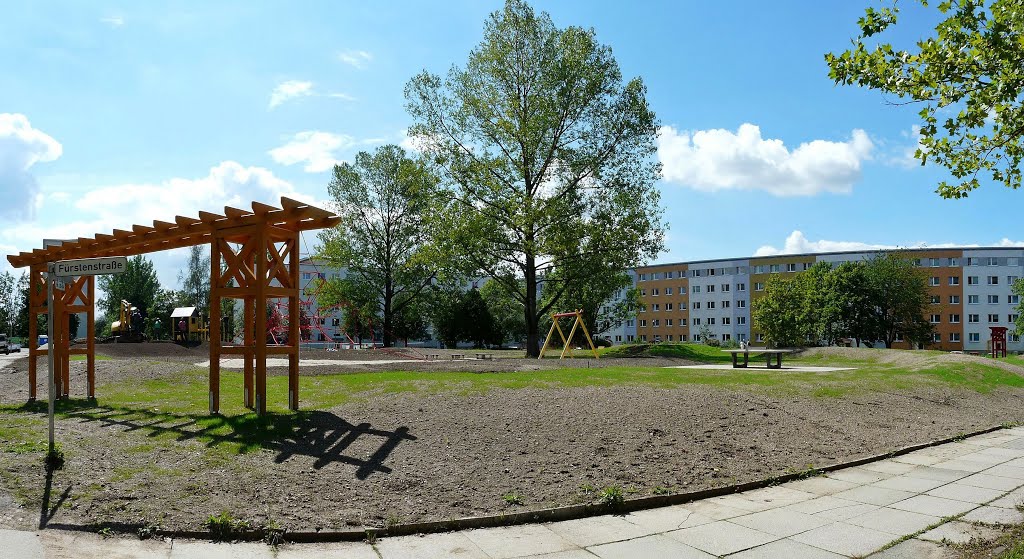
column 855, row 512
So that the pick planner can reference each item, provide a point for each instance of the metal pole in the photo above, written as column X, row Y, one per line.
column 49, row 346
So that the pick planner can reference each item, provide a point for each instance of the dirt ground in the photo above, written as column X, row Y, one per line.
column 417, row 456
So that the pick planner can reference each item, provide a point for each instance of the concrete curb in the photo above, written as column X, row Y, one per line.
column 572, row 512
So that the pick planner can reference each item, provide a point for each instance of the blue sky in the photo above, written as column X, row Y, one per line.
column 120, row 113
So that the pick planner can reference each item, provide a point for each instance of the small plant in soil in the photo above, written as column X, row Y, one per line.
column 659, row 490
column 55, row 458
column 611, row 497
column 224, row 527
column 513, row 498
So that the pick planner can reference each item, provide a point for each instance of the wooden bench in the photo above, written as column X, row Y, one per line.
column 763, row 351
column 458, row 356
column 485, row 356
column 433, row 356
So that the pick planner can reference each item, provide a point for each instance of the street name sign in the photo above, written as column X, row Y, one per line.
column 90, row 266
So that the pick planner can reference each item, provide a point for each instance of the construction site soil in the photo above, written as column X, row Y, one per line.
column 397, row 457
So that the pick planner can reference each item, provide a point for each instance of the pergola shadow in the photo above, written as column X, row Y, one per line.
column 320, row 435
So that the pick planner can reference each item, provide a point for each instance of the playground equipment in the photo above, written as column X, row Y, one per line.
column 998, row 342
column 195, row 328
column 129, row 327
column 566, row 345
column 260, row 250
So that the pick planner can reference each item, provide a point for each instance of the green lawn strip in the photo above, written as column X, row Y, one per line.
column 695, row 352
column 82, row 358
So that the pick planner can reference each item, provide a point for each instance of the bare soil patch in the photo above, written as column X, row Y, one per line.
column 416, row 456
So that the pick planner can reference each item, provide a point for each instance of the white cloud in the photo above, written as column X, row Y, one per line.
column 113, row 21
column 355, row 58
column 903, row 155
column 797, row 243
column 314, row 148
column 342, row 96
column 21, row 147
column 290, row 89
column 719, row 159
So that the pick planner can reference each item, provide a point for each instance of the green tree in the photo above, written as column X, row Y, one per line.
column 74, row 320
column 383, row 199
column 476, row 320
column 596, row 297
column 818, row 314
column 851, row 296
column 8, row 303
column 547, row 155
column 446, row 315
column 507, row 310
column 138, row 285
column 900, row 297
column 164, row 303
column 21, row 327
column 195, row 279
column 968, row 77
column 777, row 313
column 359, row 303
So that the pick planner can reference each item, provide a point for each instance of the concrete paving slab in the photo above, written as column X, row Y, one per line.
column 717, row 511
column 889, row 467
column 667, row 518
column 1010, row 501
column 994, row 515
column 918, row 459
column 1003, row 470
column 845, row 539
column 948, row 450
column 913, row 549
column 985, row 457
column 338, row 550
column 780, row 522
column 959, row 532
column 189, row 549
column 648, row 546
column 896, row 522
column 962, row 465
column 858, row 475
column 908, row 483
column 939, row 474
column 586, row 532
column 993, row 439
column 84, row 545
column 1008, row 453
column 739, row 502
column 517, row 541
column 721, row 538
column 785, row 548
column 571, row 554
column 821, row 485
column 874, row 495
column 933, row 506
column 842, row 513
column 20, row 544
column 823, row 503
column 966, row 493
column 777, row 496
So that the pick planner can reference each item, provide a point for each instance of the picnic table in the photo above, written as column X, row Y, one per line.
column 764, row 351
column 484, row 355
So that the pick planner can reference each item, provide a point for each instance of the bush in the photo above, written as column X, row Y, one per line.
column 730, row 344
column 713, row 342
column 602, row 342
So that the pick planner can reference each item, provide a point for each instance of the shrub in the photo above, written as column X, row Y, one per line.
column 611, row 497
column 713, row 342
column 730, row 344
column 602, row 342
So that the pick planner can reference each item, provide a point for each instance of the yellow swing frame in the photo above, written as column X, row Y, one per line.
column 566, row 347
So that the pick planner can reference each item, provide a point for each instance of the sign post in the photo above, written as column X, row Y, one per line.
column 65, row 269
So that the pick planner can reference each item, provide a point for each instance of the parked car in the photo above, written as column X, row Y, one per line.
column 14, row 347
column 4, row 346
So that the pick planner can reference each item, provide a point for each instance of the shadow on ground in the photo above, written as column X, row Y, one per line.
column 320, row 435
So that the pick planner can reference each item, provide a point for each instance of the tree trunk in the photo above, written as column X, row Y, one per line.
column 389, row 293
column 532, row 336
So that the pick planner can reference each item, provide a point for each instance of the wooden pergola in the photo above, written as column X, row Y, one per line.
column 265, row 265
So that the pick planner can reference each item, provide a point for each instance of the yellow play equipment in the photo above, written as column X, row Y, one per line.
column 566, row 346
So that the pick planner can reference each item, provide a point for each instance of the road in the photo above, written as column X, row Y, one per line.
column 8, row 359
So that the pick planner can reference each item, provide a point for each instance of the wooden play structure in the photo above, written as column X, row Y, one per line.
column 259, row 250
column 998, row 341
column 566, row 345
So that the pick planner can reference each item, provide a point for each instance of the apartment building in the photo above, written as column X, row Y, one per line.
column 970, row 290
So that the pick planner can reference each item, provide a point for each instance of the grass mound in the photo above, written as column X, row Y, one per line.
column 693, row 352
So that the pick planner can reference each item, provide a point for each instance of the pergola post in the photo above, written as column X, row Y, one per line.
column 215, row 339
column 37, row 305
column 261, row 240
column 292, row 247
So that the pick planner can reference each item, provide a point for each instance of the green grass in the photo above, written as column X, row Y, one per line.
column 82, row 358
column 695, row 352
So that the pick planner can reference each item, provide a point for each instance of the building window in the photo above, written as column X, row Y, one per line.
column 682, row 337
column 936, row 337
column 643, row 323
column 972, row 319
column 654, row 292
column 711, row 289
column 935, row 299
column 726, row 337
column 742, row 303
column 668, row 291
column 972, row 299
column 643, row 292
column 711, row 304
column 1011, row 261
column 954, row 262
column 725, row 287
column 618, row 338
column 1013, row 299
column 629, row 323
column 643, row 337
column 725, row 304
column 954, row 280
column 629, row 337
column 655, row 323
column 696, row 289
column 306, row 275
column 696, row 305
column 1010, row 280
column 954, row 336
column 791, row 267
column 668, row 322
column 760, row 337
column 741, row 287
column 696, row 322
column 954, row 319
column 774, row 268
column 954, row 299
column 726, row 320
column 972, row 280
column 934, row 281
column 972, row 261
column 993, row 261
column 669, row 275
column 1011, row 318
column 668, row 306
column 758, row 286
column 643, row 277
column 933, row 262
column 993, row 280
column 916, row 261
column 993, row 299
column 741, row 320
column 711, row 321
column 711, row 271
column 655, row 307
column 974, row 337
column 993, row 319
column 935, row 319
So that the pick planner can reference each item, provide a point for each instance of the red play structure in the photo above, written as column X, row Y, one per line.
column 998, row 341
